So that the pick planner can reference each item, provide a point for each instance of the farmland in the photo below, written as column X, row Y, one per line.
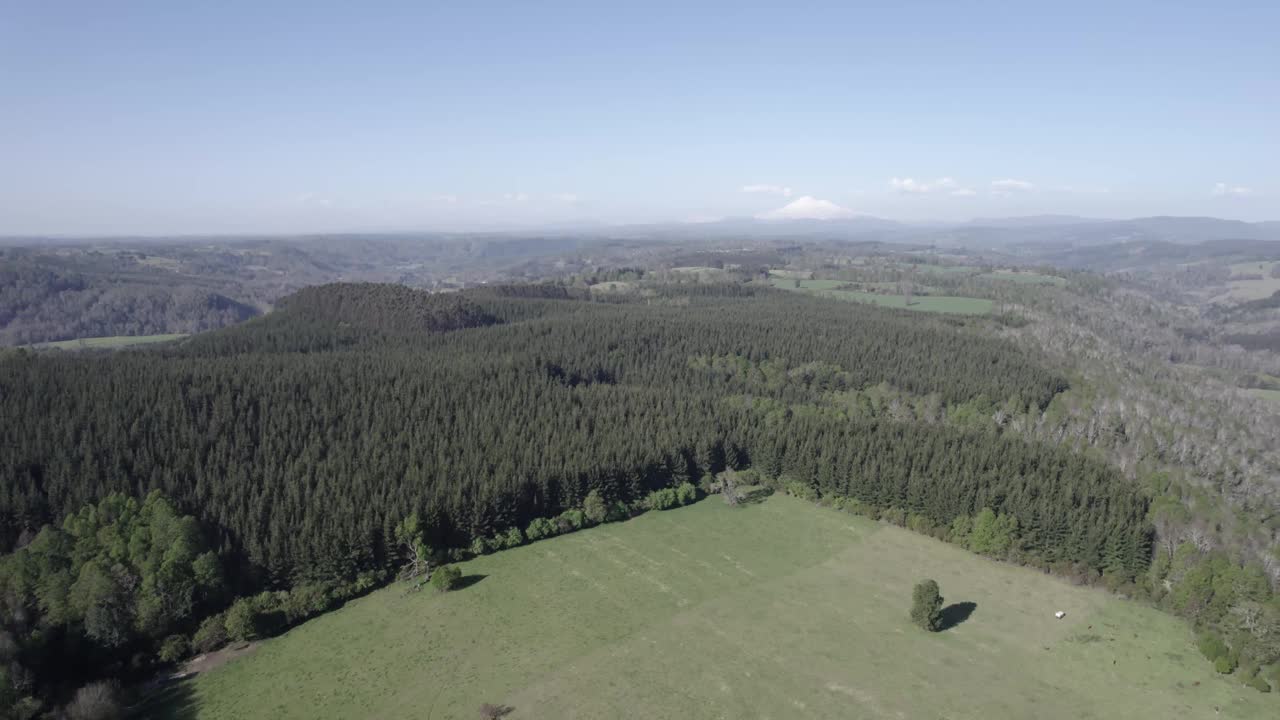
column 779, row 609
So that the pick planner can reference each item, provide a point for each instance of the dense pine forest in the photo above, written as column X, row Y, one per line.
column 298, row 441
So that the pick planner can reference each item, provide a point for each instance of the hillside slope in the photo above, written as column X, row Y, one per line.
column 780, row 610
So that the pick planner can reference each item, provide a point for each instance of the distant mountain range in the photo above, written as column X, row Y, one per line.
column 1038, row 232
column 1036, row 235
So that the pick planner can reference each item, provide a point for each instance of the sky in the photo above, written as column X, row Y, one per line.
column 230, row 117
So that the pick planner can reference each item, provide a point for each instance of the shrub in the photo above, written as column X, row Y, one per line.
column 663, row 499
column 686, row 493
column 1224, row 665
column 1259, row 684
column 594, row 508
column 446, row 578
column 618, row 511
column 926, row 605
column 795, row 488
column 992, row 534
column 571, row 520
column 305, row 601
column 174, row 648
column 211, row 635
column 365, row 581
column 513, row 538
column 480, row 546
column 920, row 524
column 540, row 528
column 1211, row 646
column 95, row 701
column 242, row 620
column 894, row 516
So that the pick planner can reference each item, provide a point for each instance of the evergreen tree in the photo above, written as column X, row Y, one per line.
column 926, row 605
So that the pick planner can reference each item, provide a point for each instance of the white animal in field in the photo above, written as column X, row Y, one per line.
column 1060, row 614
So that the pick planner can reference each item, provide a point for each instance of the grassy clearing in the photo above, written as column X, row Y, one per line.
column 1252, row 289
column 928, row 303
column 1273, row 395
column 781, row 610
column 790, row 284
column 1257, row 267
column 612, row 286
column 944, row 269
column 923, row 303
column 117, row 341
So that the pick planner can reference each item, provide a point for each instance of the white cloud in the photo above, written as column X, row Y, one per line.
column 1224, row 190
column 313, row 200
column 516, row 197
column 911, row 186
column 768, row 190
column 570, row 198
column 907, row 185
column 1007, row 186
column 808, row 208
column 446, row 198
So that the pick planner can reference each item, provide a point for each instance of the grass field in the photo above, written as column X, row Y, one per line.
column 776, row 610
column 117, row 341
column 923, row 303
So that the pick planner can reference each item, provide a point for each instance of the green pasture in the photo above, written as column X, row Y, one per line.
column 780, row 609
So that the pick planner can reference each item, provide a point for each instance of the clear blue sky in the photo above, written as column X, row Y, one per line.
column 124, row 117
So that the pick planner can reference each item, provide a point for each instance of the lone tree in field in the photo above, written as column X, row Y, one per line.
column 926, row 606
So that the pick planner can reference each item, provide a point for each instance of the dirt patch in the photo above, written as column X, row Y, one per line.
column 208, row 661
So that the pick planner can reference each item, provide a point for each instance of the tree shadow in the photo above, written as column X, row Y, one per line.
column 173, row 700
column 467, row 581
column 490, row 711
column 956, row 613
column 755, row 495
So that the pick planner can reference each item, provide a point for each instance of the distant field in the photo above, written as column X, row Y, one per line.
column 790, row 284
column 1252, row 289
column 776, row 610
column 1273, row 395
column 1239, row 289
column 929, row 303
column 117, row 341
column 925, row 303
column 1262, row 267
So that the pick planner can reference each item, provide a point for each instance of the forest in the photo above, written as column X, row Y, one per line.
column 298, row 441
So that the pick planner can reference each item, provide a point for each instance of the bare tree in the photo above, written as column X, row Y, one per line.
column 729, row 487
column 417, row 554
